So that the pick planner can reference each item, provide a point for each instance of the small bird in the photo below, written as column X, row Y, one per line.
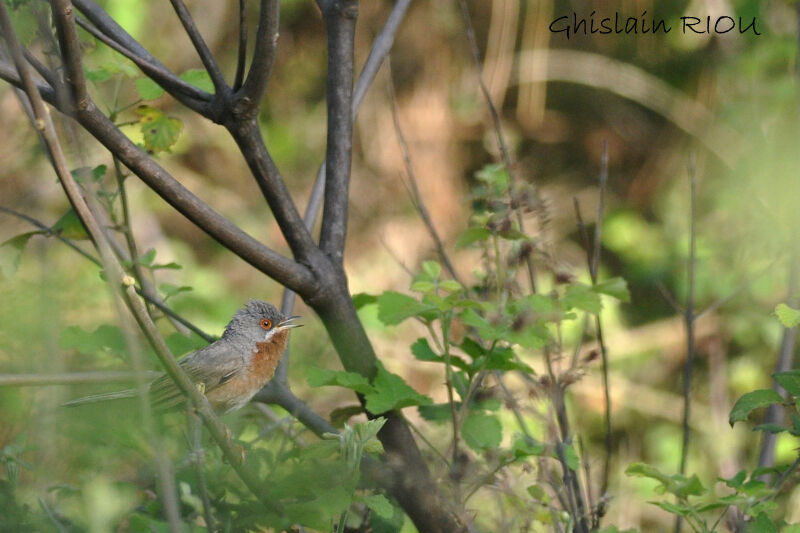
column 229, row 371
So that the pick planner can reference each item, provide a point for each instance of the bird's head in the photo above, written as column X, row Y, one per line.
column 258, row 322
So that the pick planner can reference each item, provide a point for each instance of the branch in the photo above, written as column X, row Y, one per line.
column 247, row 135
column 264, row 53
column 498, row 127
column 72, row 378
column 146, row 292
column 64, row 18
column 594, row 267
column 187, row 94
column 340, row 23
column 9, row 73
column 284, row 270
column 278, row 393
column 416, row 196
column 380, row 49
column 117, row 38
column 689, row 319
column 43, row 71
column 775, row 413
column 242, row 55
column 278, row 267
column 200, row 45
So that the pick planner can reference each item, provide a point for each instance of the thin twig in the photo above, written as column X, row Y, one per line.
column 416, row 196
column 263, row 54
column 106, row 29
column 594, row 267
column 200, row 45
column 498, row 127
column 689, row 320
column 144, row 292
column 670, row 299
column 766, row 456
column 242, row 53
column 72, row 378
column 64, row 18
column 198, row 455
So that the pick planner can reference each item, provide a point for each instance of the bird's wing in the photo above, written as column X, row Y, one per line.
column 208, row 368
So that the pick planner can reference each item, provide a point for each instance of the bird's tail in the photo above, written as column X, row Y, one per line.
column 116, row 395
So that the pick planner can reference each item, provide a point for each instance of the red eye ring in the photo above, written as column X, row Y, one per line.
column 265, row 323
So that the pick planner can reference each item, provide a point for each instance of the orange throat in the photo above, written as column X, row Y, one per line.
column 266, row 357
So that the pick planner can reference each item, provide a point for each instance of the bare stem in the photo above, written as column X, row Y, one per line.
column 689, row 321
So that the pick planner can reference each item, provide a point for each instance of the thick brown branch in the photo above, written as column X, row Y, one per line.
column 340, row 23
column 247, row 135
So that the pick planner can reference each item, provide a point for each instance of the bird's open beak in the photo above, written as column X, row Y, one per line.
column 288, row 322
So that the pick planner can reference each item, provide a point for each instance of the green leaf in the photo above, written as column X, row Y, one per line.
column 770, row 428
column 482, row 431
column 438, row 412
column 147, row 258
column 762, row 524
column 670, row 507
column 394, row 307
column 789, row 317
column 451, row 285
column 790, row 381
column 580, row 296
column 361, row 299
column 147, row 88
column 423, row 351
column 571, row 457
column 159, row 131
column 472, row 235
column 432, row 269
column 98, row 75
column 199, row 78
column 423, row 286
column 753, row 400
column 486, row 330
column 70, row 226
column 646, row 470
column 615, row 287
column 11, row 253
column 169, row 290
column 341, row 415
column 96, row 173
column 390, row 392
column 320, row 377
column 380, row 505
column 105, row 337
column 496, row 176
column 736, row 481
column 523, row 447
column 172, row 265
column 180, row 344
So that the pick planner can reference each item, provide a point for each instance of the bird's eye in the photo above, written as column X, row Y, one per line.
column 265, row 323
